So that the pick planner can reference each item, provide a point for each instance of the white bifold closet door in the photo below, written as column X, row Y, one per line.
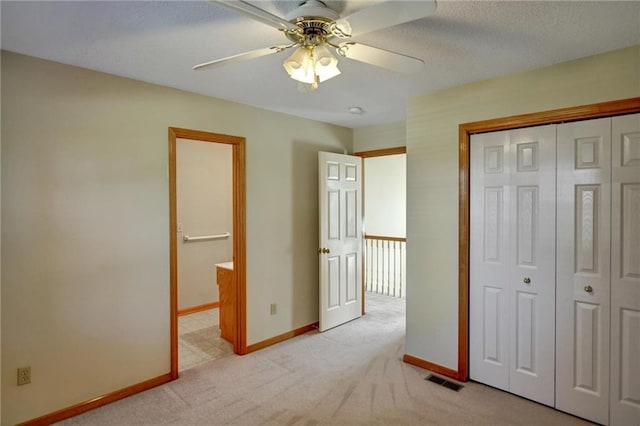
column 512, row 261
column 625, row 271
column 579, row 312
column 598, row 270
column 489, row 259
column 583, row 269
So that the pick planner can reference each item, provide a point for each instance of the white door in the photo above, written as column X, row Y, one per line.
column 625, row 271
column 583, row 269
column 340, row 252
column 512, row 261
column 489, row 259
column 532, row 274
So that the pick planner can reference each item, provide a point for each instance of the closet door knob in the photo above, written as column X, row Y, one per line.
column 588, row 289
column 526, row 280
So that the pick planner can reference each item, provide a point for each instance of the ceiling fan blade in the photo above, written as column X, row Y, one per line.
column 383, row 15
column 242, row 56
column 381, row 58
column 258, row 14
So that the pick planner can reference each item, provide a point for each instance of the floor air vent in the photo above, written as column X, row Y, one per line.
column 442, row 382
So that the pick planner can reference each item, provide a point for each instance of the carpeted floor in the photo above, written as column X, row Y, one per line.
column 350, row 375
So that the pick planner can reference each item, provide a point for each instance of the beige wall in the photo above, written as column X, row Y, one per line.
column 204, row 192
column 379, row 137
column 432, row 176
column 85, row 220
column 385, row 199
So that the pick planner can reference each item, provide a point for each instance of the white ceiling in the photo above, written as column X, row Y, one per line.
column 463, row 41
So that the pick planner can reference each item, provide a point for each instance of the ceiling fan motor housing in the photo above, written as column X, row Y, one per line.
column 314, row 19
column 312, row 9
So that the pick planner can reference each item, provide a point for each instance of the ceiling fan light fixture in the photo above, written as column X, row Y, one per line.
column 299, row 64
column 311, row 65
column 326, row 65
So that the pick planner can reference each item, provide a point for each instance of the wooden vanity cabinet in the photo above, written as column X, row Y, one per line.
column 227, row 291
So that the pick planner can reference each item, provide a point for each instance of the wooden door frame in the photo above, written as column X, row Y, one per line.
column 585, row 112
column 369, row 154
column 239, row 236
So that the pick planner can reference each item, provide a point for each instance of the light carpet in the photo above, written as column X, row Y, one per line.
column 350, row 375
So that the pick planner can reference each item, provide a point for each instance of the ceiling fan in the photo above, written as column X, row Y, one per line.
column 312, row 28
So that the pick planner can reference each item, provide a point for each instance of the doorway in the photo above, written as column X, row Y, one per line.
column 384, row 210
column 235, row 305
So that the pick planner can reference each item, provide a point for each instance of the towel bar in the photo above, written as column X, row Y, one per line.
column 224, row 236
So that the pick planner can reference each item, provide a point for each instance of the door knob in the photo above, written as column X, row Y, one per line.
column 324, row 250
column 526, row 280
column 588, row 289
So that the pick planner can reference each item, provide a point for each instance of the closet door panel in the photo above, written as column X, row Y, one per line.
column 489, row 254
column 532, row 266
column 625, row 271
column 583, row 268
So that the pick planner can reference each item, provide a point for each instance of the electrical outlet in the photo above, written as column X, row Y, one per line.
column 24, row 375
column 273, row 309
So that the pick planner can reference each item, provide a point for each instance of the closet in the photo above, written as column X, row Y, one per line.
column 554, row 283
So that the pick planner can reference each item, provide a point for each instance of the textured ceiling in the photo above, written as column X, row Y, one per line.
column 159, row 42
